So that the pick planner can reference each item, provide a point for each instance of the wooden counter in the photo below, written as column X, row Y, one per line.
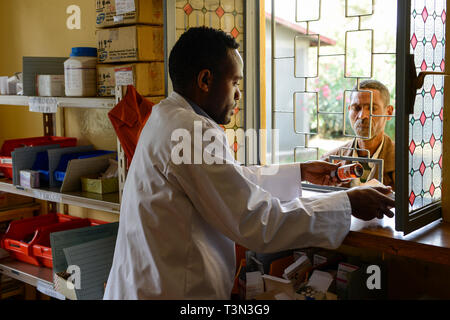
column 430, row 243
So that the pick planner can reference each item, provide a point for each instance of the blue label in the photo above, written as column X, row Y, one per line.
column 101, row 18
column 103, row 55
column 101, row 90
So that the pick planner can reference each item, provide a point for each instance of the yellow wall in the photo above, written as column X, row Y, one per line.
column 37, row 28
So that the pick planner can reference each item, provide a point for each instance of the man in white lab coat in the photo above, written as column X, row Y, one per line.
column 186, row 200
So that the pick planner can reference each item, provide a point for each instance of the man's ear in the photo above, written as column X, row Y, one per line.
column 204, row 80
column 389, row 111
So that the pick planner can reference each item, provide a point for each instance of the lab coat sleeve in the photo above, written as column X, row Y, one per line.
column 253, row 217
column 282, row 181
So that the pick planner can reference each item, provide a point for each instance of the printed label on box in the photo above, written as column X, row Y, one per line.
column 124, row 76
column 341, row 278
column 124, row 6
column 118, row 19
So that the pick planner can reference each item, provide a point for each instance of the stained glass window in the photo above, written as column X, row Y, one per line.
column 226, row 15
column 426, row 123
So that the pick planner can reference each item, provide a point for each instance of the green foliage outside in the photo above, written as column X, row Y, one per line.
column 331, row 83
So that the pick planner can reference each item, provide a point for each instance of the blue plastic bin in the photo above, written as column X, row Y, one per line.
column 41, row 165
column 60, row 171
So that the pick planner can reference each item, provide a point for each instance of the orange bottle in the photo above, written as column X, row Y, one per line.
column 347, row 172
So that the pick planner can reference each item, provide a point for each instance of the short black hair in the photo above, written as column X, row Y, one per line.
column 197, row 49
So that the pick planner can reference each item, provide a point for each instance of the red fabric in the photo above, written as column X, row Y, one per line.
column 128, row 118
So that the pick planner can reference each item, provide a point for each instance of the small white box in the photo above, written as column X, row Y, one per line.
column 12, row 85
column 29, row 178
column 342, row 275
column 50, row 85
column 3, row 85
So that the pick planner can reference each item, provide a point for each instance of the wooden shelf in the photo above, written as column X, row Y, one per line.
column 64, row 102
column 107, row 202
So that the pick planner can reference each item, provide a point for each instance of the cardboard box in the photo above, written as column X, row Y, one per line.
column 130, row 44
column 95, row 184
column 297, row 272
column 147, row 77
column 63, row 286
column 106, row 80
column 277, row 285
column 145, row 12
column 87, row 167
column 29, row 178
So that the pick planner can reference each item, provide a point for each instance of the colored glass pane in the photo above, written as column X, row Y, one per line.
column 426, row 122
column 226, row 15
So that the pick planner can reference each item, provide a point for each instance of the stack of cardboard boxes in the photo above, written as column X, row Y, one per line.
column 130, row 43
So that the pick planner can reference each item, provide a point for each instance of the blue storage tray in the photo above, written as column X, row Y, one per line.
column 41, row 165
column 60, row 171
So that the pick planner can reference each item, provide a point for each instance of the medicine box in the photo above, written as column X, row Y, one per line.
column 96, row 184
column 50, row 85
column 130, row 44
column 106, row 80
column 121, row 12
column 29, row 178
column 146, row 77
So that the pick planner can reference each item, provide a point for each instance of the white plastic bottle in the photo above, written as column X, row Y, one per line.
column 80, row 72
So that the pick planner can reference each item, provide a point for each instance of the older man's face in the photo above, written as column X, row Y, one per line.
column 359, row 113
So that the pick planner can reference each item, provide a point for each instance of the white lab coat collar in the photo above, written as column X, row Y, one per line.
column 177, row 98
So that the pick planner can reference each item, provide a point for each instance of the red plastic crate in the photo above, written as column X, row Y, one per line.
column 6, row 166
column 42, row 251
column 37, row 250
column 10, row 145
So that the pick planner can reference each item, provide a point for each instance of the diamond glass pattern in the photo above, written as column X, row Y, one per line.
column 425, row 125
column 226, row 15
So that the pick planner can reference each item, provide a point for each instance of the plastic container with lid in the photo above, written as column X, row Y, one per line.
column 80, row 73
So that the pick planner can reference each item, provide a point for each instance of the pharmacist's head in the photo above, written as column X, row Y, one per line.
column 205, row 66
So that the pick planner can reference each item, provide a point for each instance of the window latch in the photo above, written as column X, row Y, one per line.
column 417, row 81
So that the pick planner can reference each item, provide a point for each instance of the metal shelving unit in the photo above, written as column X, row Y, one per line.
column 41, row 277
column 106, row 202
column 28, row 273
column 64, row 102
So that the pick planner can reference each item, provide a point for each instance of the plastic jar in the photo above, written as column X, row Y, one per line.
column 350, row 171
column 80, row 72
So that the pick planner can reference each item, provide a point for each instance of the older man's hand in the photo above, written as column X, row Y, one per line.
column 371, row 202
